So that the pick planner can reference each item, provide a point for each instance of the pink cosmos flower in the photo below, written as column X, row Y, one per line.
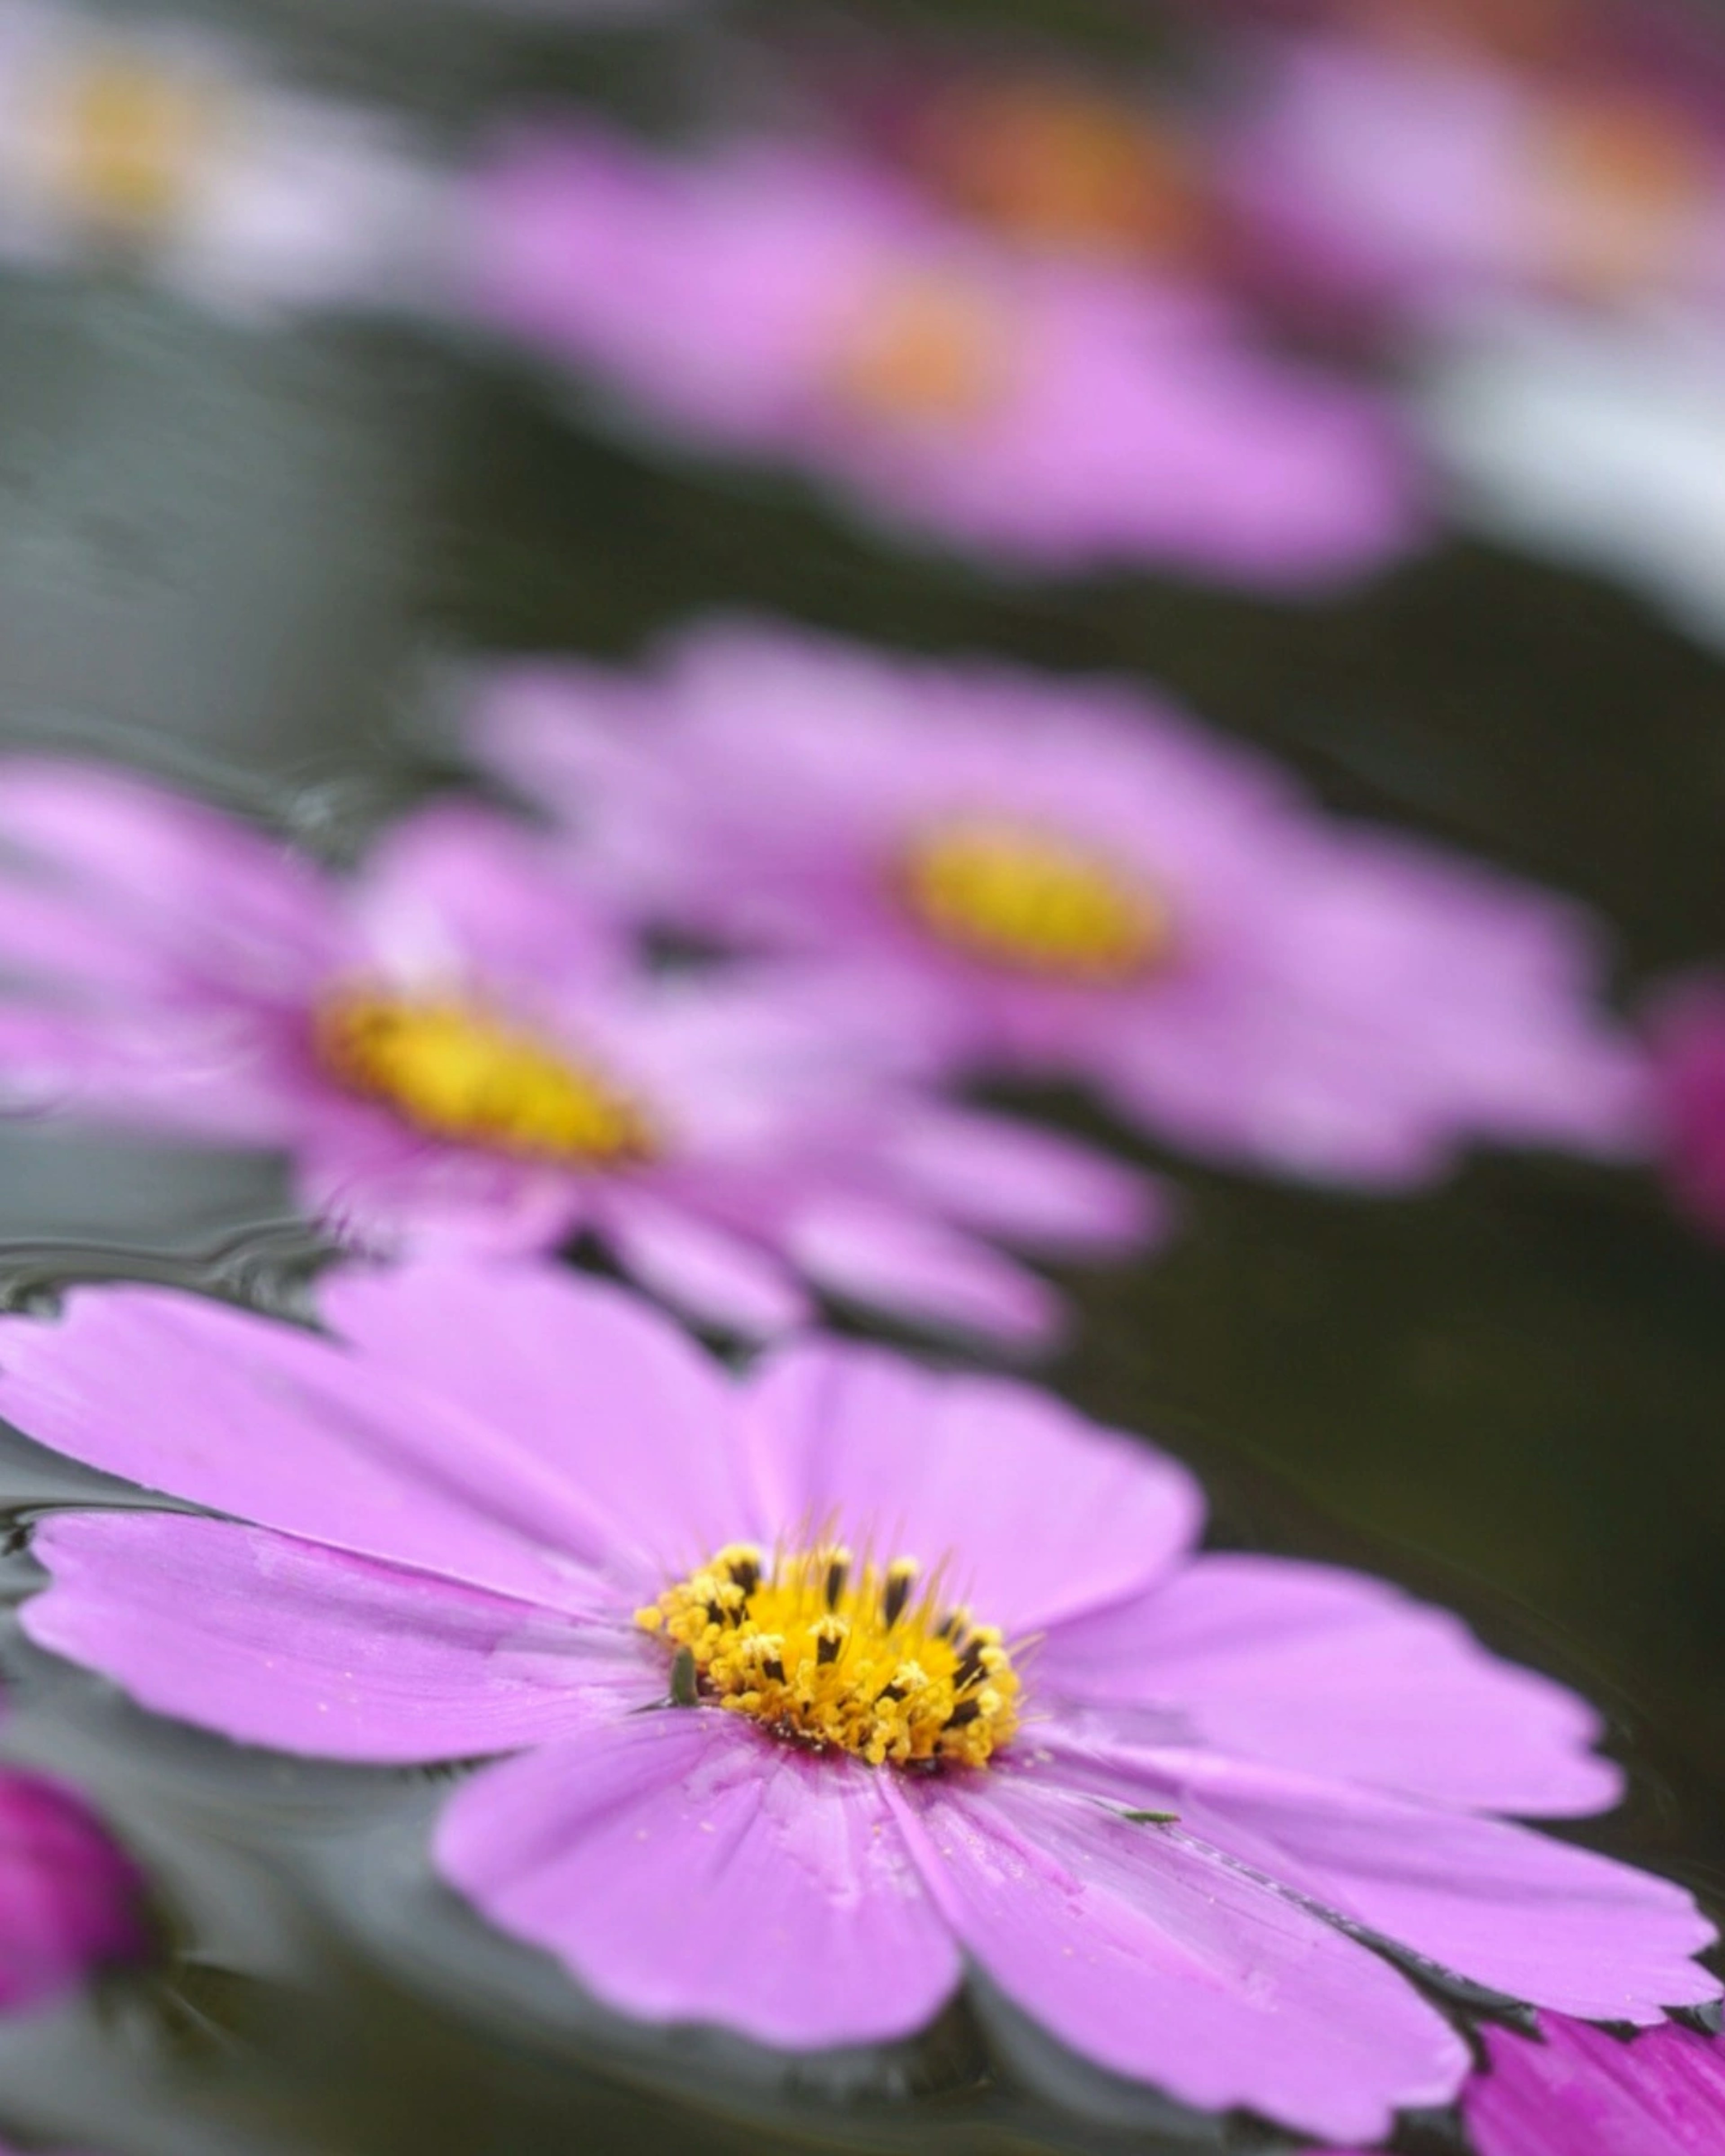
column 767, row 300
column 1688, row 1033
column 1055, row 878
column 1577, row 2091
column 827, row 1684
column 455, row 1049
column 70, row 1900
column 1430, row 179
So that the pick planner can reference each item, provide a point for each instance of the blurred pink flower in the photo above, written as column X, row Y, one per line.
column 771, row 301
column 1060, row 878
column 70, row 1900
column 940, row 1680
column 1581, row 2092
column 1429, row 180
column 455, row 1049
column 1686, row 1030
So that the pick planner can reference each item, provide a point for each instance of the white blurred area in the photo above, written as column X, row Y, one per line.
column 1593, row 439
column 174, row 151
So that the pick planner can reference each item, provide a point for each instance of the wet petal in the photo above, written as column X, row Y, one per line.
column 685, row 1868
column 1505, row 1906
column 276, row 1424
column 1332, row 1672
column 274, row 1641
column 1154, row 1957
column 1582, row 2092
column 580, row 1374
column 960, row 1468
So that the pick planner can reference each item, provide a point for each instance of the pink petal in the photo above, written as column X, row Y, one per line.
column 687, row 1868
column 456, row 892
column 1583, row 2092
column 1014, row 1178
column 581, row 1376
column 885, row 1257
column 376, row 1184
column 228, row 901
column 278, row 1425
column 718, row 1278
column 70, row 1897
column 274, row 1641
column 1504, row 1905
column 1329, row 1671
column 960, row 1469
column 1149, row 1954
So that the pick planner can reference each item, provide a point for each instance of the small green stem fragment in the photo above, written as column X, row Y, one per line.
column 1150, row 1819
column 684, row 1691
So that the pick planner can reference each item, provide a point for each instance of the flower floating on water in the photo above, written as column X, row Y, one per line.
column 70, row 1900
column 1430, row 180
column 774, row 301
column 167, row 148
column 455, row 1049
column 1066, row 879
column 1576, row 2091
column 817, row 1694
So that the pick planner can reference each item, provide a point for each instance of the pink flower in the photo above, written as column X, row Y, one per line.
column 454, row 1049
column 1687, row 1034
column 1055, row 878
column 1581, row 2092
column 826, row 1683
column 770, row 300
column 1428, row 180
column 70, row 1900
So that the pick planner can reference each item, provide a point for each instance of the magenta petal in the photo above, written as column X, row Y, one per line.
column 275, row 1641
column 1339, row 1675
column 1582, row 2092
column 70, row 1897
column 278, row 1425
column 1160, row 1960
column 580, row 1375
column 686, row 1868
column 1504, row 1905
column 961, row 1468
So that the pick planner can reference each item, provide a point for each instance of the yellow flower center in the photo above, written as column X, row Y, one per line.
column 925, row 350
column 455, row 1070
column 126, row 137
column 1033, row 901
column 1064, row 168
column 839, row 1655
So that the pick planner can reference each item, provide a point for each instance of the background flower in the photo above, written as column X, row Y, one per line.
column 438, row 1531
column 457, row 1048
column 70, row 1900
column 767, row 299
column 1071, row 878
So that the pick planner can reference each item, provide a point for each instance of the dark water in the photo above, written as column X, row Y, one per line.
column 257, row 562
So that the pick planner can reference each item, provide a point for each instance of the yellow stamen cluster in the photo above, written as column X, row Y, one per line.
column 1033, row 901
column 928, row 350
column 126, row 138
column 837, row 1655
column 455, row 1070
